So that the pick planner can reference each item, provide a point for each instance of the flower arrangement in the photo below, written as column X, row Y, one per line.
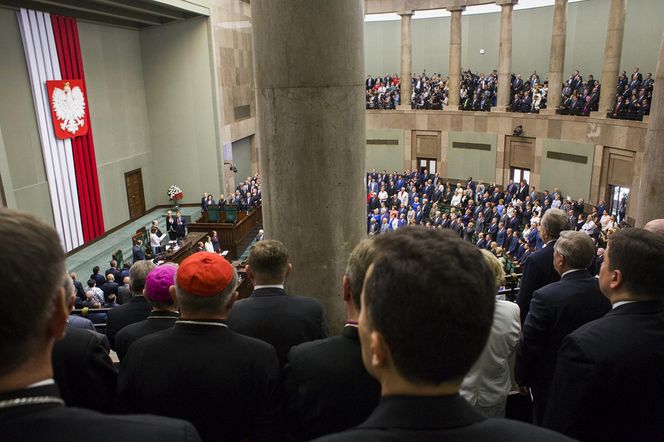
column 174, row 193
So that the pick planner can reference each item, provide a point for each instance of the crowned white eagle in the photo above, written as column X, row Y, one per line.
column 69, row 107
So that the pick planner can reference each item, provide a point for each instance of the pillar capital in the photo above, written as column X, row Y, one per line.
column 506, row 2
column 406, row 13
column 456, row 8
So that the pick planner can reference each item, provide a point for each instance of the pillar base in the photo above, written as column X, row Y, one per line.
column 547, row 111
column 404, row 107
column 598, row 114
column 452, row 107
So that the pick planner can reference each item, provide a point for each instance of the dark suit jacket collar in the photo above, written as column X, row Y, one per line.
column 422, row 413
column 137, row 299
column 268, row 291
column 638, row 308
column 580, row 274
column 163, row 314
column 45, row 390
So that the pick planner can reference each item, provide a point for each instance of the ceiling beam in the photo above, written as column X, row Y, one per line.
column 88, row 7
column 140, row 7
column 82, row 15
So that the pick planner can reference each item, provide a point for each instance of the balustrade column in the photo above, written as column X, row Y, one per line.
column 505, row 53
column 406, row 58
column 454, row 73
column 557, row 56
column 311, row 132
column 612, row 54
column 651, row 188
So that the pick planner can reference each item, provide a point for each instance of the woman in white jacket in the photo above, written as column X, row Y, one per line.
column 489, row 381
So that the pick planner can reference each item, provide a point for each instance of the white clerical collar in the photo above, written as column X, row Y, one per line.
column 571, row 271
column 269, row 286
column 619, row 303
column 42, row 383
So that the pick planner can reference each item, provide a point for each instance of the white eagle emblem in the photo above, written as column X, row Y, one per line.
column 69, row 107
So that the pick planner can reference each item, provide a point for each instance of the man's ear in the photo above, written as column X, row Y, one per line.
column 616, row 279
column 231, row 301
column 289, row 269
column 250, row 272
column 171, row 291
column 57, row 325
column 346, row 288
column 380, row 353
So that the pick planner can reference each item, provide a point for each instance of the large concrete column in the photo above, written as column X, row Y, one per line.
column 505, row 53
column 406, row 58
column 309, row 72
column 557, row 55
column 454, row 73
column 651, row 188
column 612, row 53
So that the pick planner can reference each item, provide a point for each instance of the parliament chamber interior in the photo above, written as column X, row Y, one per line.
column 187, row 151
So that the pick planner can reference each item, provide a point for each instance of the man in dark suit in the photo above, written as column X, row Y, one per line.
column 137, row 253
column 159, row 291
column 78, row 286
column 110, row 286
column 180, row 226
column 82, row 368
column 417, row 354
column 124, row 292
column 322, row 377
column 137, row 309
column 555, row 311
column 269, row 313
column 113, row 270
column 608, row 377
column 224, row 383
column 99, row 279
column 33, row 314
column 538, row 268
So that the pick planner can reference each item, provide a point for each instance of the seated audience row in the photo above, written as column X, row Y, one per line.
column 633, row 96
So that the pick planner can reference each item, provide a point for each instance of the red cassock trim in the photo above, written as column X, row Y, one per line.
column 68, row 46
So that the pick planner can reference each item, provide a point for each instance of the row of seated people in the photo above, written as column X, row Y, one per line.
column 264, row 368
column 478, row 93
column 528, row 96
column 633, row 96
column 383, row 92
column 503, row 221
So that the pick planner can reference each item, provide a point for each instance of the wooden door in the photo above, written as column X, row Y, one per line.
column 135, row 196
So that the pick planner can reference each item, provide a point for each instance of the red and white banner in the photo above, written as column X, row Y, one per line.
column 53, row 53
column 69, row 105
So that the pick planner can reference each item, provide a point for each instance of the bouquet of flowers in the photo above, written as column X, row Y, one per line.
column 174, row 193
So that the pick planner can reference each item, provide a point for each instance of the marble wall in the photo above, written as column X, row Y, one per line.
column 232, row 54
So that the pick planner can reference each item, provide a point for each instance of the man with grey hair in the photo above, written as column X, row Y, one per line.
column 137, row 309
column 33, row 315
column 316, row 406
column 556, row 310
column 538, row 268
column 224, row 383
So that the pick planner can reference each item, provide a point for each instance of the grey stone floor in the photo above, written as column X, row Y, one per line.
column 100, row 252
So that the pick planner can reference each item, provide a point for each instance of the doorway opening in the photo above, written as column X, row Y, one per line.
column 517, row 175
column 618, row 197
column 427, row 163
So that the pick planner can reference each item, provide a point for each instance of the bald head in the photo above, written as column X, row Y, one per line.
column 655, row 226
